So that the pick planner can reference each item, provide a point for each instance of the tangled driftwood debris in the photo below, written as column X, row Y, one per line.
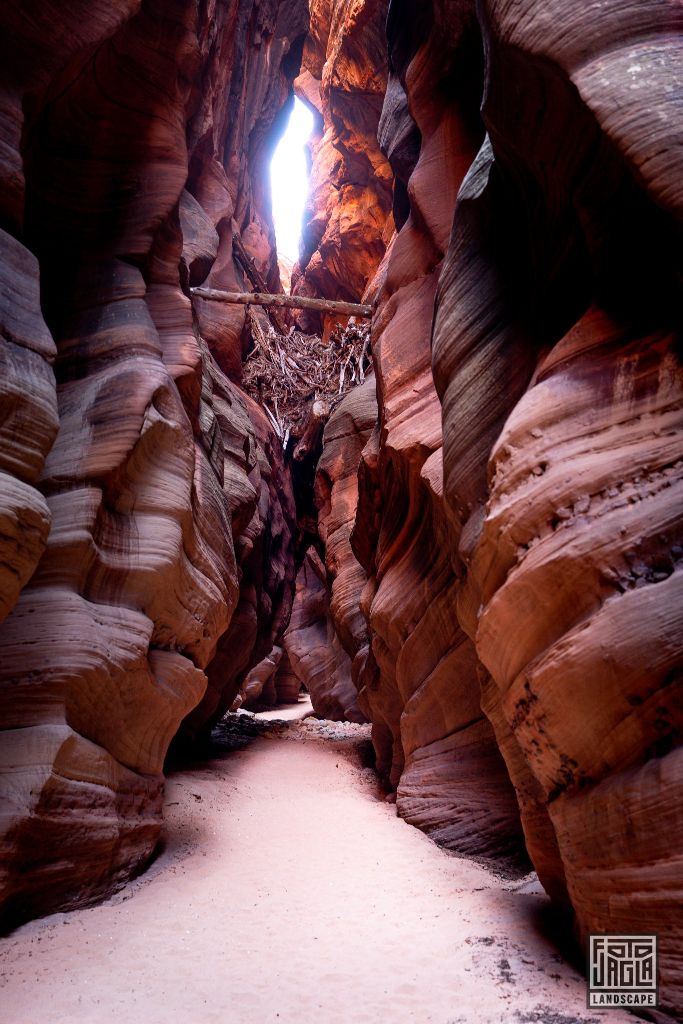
column 298, row 380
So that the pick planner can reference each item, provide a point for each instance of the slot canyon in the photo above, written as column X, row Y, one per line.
column 341, row 656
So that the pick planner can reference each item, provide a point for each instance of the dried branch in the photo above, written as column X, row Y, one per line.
column 298, row 371
column 282, row 300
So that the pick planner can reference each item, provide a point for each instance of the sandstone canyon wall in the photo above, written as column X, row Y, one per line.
column 516, row 533
column 327, row 638
column 499, row 505
column 418, row 679
column 315, row 653
column 147, row 512
column 558, row 315
column 336, row 494
column 348, row 220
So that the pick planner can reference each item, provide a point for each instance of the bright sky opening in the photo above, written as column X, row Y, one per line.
column 289, row 181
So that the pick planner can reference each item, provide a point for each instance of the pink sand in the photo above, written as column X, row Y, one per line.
column 290, row 892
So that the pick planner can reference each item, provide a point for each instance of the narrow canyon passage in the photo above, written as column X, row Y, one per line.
column 289, row 891
column 386, row 408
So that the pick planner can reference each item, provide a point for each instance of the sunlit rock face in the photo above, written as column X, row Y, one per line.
column 556, row 353
column 418, row 679
column 248, row 61
column 144, row 503
column 348, row 219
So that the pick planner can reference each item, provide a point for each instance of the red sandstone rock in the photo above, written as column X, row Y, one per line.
column 348, row 221
column 419, row 681
column 269, row 683
column 336, row 492
column 29, row 421
column 145, row 554
column 555, row 358
column 464, row 760
column 244, row 82
column 259, row 686
column 167, row 502
column 259, row 491
column 287, row 683
column 315, row 654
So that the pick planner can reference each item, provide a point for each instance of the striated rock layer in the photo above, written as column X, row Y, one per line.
column 348, row 219
column 499, row 507
column 259, row 687
column 327, row 639
column 558, row 315
column 417, row 677
column 336, row 494
column 144, row 504
column 530, row 566
column 315, row 654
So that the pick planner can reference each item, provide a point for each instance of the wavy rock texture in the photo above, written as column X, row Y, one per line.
column 348, row 222
column 557, row 358
column 315, row 653
column 249, row 58
column 336, row 494
column 287, row 683
column 259, row 686
column 419, row 683
column 29, row 419
column 263, row 513
column 269, row 683
column 327, row 641
column 166, row 505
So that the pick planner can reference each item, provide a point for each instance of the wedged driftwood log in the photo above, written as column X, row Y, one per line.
column 289, row 301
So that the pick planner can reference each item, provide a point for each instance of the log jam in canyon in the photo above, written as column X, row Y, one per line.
column 341, row 656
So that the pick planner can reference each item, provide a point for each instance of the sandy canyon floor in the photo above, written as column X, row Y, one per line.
column 288, row 891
